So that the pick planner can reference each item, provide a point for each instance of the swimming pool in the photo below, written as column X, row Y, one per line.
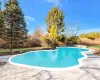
column 60, row 58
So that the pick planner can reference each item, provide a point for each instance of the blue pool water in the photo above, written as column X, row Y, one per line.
column 60, row 58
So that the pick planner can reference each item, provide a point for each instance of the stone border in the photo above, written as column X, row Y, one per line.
column 54, row 69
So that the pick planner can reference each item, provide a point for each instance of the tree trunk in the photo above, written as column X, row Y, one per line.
column 11, row 46
column 10, row 42
column 11, row 37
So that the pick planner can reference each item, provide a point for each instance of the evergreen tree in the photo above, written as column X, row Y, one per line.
column 1, row 23
column 16, row 32
column 55, row 18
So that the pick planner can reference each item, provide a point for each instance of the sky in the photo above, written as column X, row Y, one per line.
column 85, row 13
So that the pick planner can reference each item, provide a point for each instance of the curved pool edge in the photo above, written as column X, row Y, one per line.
column 53, row 69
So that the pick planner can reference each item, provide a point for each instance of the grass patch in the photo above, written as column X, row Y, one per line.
column 21, row 49
column 4, row 50
column 17, row 49
column 98, row 47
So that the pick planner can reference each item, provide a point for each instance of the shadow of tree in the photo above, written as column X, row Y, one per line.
column 2, row 63
column 94, row 57
column 39, row 75
column 88, row 71
column 90, row 68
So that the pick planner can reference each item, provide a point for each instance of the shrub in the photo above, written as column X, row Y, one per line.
column 73, row 40
column 47, row 41
column 50, row 40
column 92, row 35
column 98, row 52
column 62, row 38
column 33, row 42
column 54, row 42
column 3, row 44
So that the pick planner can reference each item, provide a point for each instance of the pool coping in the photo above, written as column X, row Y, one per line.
column 54, row 69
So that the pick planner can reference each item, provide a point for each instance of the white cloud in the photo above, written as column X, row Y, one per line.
column 55, row 2
column 29, row 18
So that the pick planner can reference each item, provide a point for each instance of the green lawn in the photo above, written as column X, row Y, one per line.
column 17, row 49
column 94, row 47
column 4, row 50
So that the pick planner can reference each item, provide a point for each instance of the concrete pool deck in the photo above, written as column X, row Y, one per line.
column 89, row 71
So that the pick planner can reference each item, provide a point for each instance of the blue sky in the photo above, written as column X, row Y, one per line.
column 85, row 13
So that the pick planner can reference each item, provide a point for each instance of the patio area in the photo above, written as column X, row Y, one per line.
column 89, row 71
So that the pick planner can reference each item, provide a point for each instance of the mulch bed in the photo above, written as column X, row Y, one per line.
column 97, row 52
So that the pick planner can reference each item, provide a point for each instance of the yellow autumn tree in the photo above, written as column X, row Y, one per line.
column 50, row 40
column 53, row 36
column 53, row 32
